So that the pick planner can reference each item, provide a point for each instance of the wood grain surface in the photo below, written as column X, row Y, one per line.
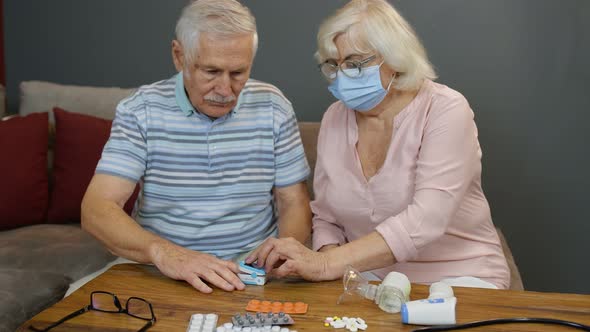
column 175, row 301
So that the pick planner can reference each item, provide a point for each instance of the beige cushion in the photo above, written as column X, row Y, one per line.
column 309, row 137
column 37, row 96
column 515, row 278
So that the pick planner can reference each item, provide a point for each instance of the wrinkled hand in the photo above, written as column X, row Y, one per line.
column 289, row 257
column 328, row 247
column 263, row 257
column 196, row 267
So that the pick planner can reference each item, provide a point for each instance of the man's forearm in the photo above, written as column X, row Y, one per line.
column 294, row 212
column 118, row 232
column 295, row 223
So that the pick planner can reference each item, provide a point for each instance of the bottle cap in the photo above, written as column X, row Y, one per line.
column 440, row 290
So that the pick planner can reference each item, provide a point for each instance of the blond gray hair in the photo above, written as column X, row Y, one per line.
column 375, row 26
column 219, row 17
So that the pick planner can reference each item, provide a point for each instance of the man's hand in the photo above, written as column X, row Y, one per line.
column 288, row 257
column 195, row 267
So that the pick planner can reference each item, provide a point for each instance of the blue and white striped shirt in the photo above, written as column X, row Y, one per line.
column 206, row 183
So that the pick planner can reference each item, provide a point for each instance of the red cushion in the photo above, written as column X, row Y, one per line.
column 23, row 170
column 79, row 140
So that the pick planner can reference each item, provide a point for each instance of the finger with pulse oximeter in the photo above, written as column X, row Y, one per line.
column 251, row 275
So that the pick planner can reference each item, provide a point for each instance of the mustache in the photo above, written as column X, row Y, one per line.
column 219, row 99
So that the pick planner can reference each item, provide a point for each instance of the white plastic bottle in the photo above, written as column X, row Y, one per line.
column 438, row 309
column 429, row 312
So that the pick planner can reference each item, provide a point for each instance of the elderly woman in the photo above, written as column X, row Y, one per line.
column 398, row 175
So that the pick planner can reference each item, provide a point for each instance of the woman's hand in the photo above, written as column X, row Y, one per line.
column 288, row 257
column 328, row 247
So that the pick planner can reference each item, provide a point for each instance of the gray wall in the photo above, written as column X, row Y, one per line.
column 524, row 66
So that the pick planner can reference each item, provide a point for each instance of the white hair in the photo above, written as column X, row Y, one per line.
column 220, row 17
column 375, row 26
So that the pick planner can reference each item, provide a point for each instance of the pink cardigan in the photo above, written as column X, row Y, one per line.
column 426, row 200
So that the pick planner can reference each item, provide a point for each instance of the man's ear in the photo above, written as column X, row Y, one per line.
column 177, row 55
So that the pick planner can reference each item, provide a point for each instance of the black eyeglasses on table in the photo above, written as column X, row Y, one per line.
column 109, row 302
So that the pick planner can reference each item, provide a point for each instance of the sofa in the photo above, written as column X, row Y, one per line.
column 43, row 254
column 2, row 101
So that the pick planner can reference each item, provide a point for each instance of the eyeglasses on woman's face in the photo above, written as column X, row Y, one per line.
column 109, row 302
column 350, row 68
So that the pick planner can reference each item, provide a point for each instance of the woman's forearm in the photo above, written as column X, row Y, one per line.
column 367, row 253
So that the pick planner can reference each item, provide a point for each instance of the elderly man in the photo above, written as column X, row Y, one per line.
column 219, row 156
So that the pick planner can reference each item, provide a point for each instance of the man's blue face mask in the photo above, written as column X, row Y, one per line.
column 361, row 93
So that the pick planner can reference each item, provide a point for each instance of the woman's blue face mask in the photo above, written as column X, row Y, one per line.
column 361, row 93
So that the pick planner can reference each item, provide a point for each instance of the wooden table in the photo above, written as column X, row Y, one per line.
column 175, row 301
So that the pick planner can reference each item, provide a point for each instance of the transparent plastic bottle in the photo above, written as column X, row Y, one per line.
column 389, row 295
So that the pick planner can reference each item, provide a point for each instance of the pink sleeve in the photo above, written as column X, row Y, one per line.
column 448, row 160
column 326, row 229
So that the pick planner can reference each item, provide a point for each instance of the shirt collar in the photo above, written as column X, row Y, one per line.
column 181, row 97
column 185, row 104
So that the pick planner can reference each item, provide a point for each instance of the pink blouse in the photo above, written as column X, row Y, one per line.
column 426, row 201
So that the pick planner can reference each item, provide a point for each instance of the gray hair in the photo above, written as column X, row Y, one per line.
column 374, row 25
column 219, row 17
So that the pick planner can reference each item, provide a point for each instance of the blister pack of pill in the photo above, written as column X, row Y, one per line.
column 202, row 323
column 262, row 319
column 267, row 328
column 275, row 306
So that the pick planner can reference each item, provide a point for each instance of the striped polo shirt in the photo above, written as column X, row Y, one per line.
column 206, row 184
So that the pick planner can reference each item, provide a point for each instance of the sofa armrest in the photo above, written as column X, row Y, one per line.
column 309, row 137
column 515, row 278
column 2, row 101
